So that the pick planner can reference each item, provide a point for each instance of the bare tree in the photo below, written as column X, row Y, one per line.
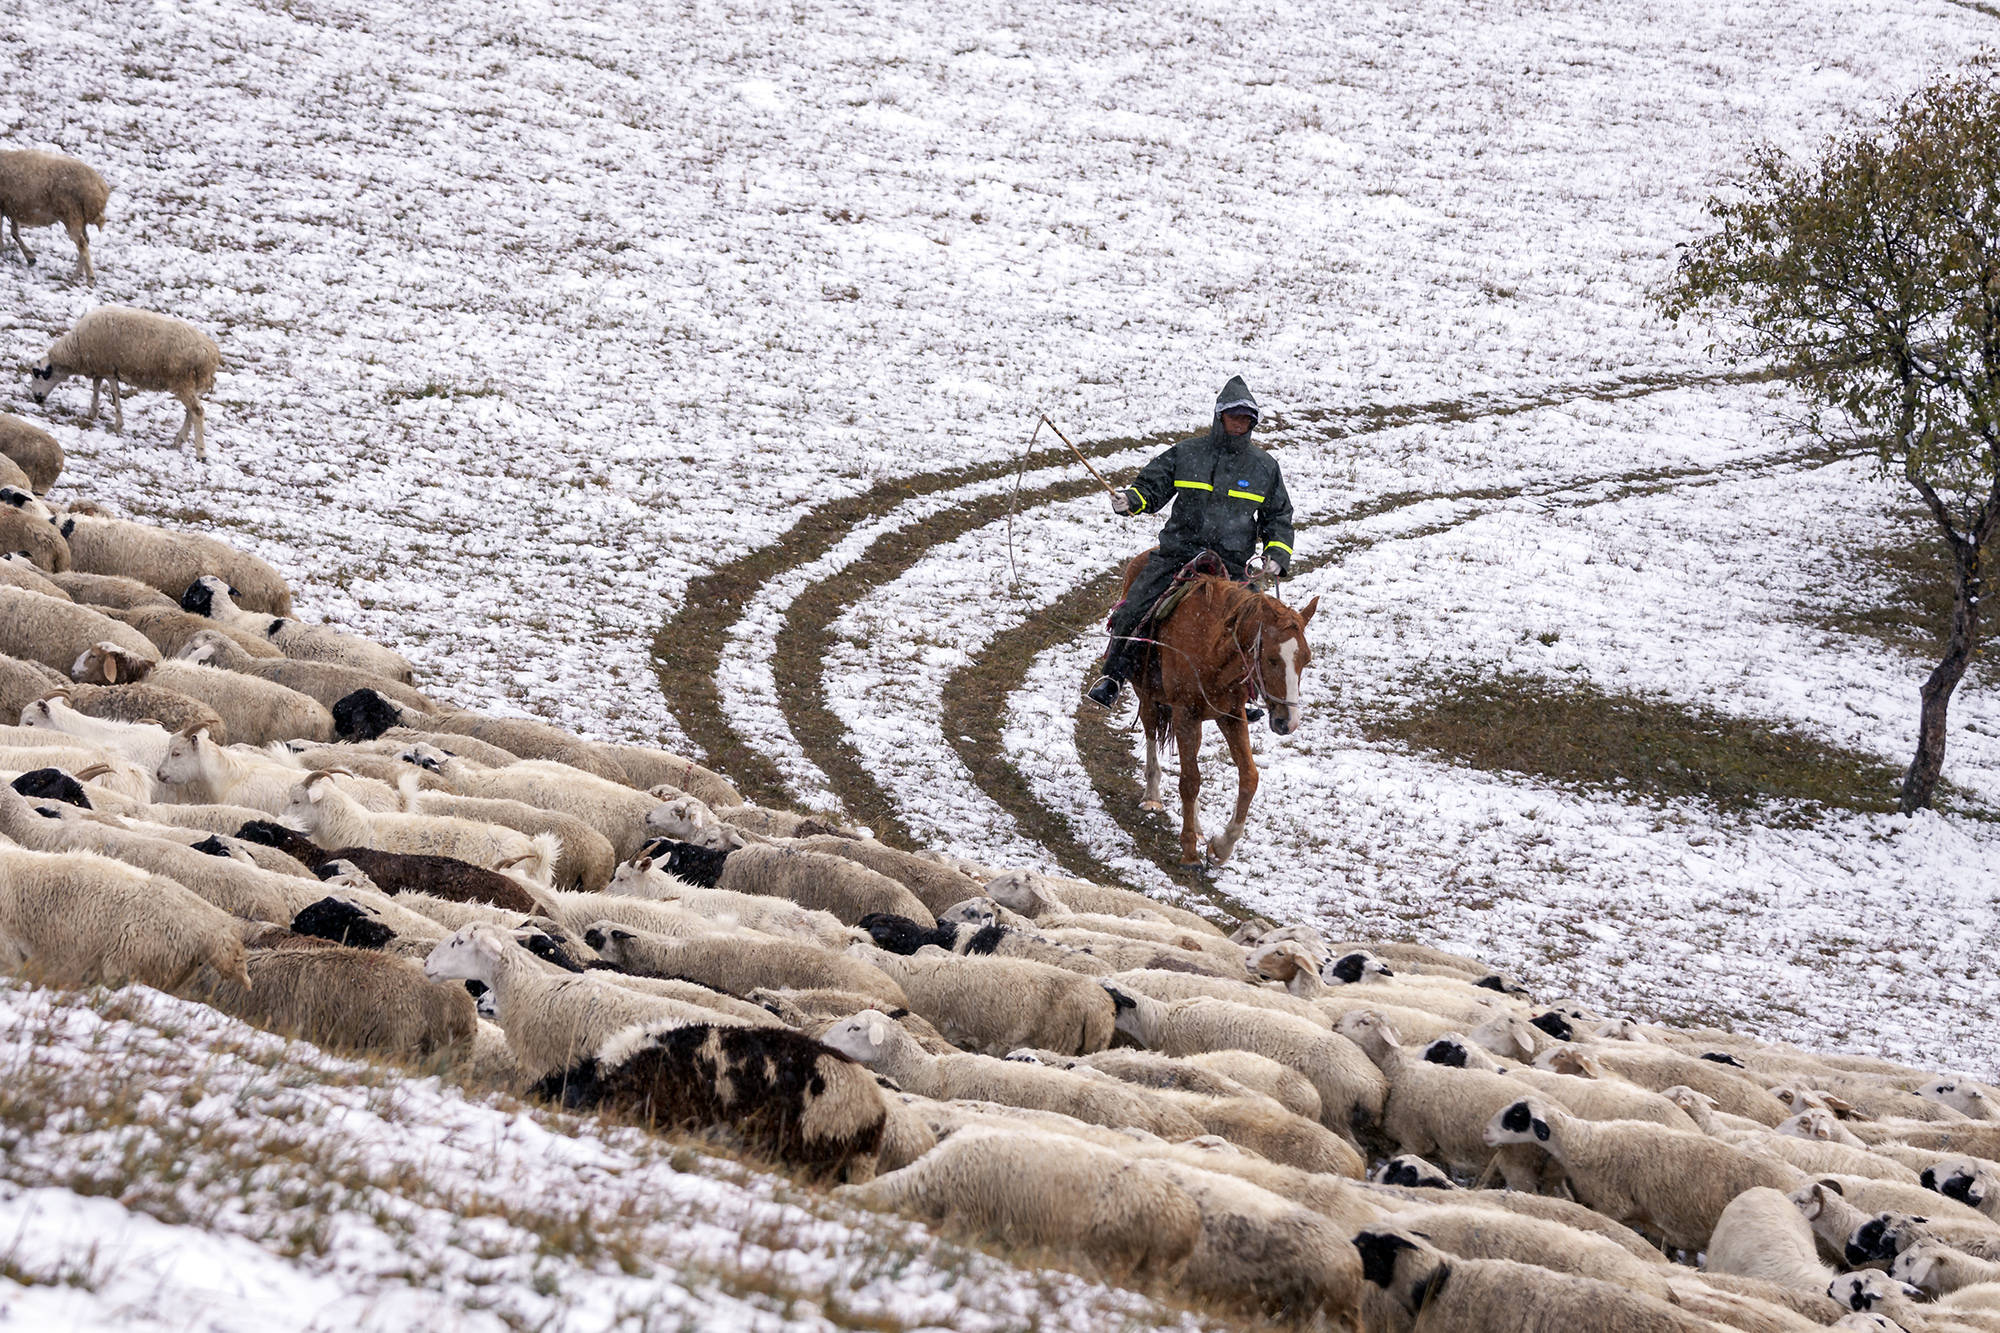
column 1874, row 272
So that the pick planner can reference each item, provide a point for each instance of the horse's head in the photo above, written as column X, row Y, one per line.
column 1282, row 655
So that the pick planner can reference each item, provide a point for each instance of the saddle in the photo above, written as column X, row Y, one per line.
column 1208, row 563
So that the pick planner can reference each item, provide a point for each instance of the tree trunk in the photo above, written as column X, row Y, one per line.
column 1922, row 779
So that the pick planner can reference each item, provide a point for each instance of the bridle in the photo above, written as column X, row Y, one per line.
column 1253, row 657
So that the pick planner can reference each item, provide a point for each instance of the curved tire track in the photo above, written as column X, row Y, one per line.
column 688, row 648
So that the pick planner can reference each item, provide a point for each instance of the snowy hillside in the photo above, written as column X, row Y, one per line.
column 536, row 316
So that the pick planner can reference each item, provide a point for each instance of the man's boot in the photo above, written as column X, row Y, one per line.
column 1117, row 666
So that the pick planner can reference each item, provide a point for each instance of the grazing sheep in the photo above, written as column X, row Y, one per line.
column 1974, row 1101
column 210, row 596
column 18, row 571
column 426, row 748
column 781, row 1093
column 739, row 962
column 997, row 1005
column 1591, row 1098
column 169, row 561
column 1034, row 895
column 33, row 450
column 1145, row 1069
column 445, row 877
column 814, row 1011
column 586, row 861
column 1423, row 1287
column 81, row 919
column 141, row 349
column 814, row 879
column 1480, row 1233
column 772, row 916
column 173, row 630
column 1168, row 986
column 236, row 887
column 903, row 936
column 614, row 810
column 1659, row 1180
column 348, row 999
column 325, row 683
column 767, row 823
column 32, row 535
column 1655, row 1068
column 1761, row 1234
column 1431, row 1110
column 1939, row 1270
column 144, row 701
column 1974, row 1183
column 1351, row 1089
column 366, row 715
column 40, row 189
column 648, row 767
column 197, row 771
column 56, row 633
column 23, row 682
column 935, row 886
column 553, row 1021
column 332, row 818
column 1895, row 1196
column 1120, row 1214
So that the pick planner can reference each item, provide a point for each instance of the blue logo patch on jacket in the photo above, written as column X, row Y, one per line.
column 1245, row 481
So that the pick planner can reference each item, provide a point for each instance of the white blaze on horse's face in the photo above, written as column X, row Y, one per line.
column 1288, row 711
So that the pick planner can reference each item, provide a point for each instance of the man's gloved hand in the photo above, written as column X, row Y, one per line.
column 1121, row 502
column 1280, row 563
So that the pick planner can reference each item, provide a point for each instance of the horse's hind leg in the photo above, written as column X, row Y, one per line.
column 1187, row 739
column 1151, row 717
column 1236, row 732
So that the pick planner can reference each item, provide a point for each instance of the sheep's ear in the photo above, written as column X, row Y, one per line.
column 643, row 864
column 1541, row 1127
column 314, row 791
column 878, row 1032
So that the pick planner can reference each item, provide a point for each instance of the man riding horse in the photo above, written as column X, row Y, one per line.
column 1228, row 497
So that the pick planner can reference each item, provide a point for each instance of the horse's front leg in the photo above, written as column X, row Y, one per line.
column 1236, row 732
column 1187, row 739
column 1150, row 717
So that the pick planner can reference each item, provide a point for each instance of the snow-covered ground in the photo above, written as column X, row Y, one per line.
column 533, row 312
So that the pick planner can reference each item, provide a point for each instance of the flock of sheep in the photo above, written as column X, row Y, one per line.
column 201, row 793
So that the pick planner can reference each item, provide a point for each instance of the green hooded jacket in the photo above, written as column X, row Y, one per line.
column 1228, row 495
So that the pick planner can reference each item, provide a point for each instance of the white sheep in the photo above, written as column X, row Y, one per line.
column 614, row 810
column 81, row 918
column 587, row 861
column 1762, row 1234
column 1033, row 894
column 254, row 711
column 1168, row 986
column 331, row 818
column 1670, row 1183
column 21, row 683
column 833, row 884
column 40, row 189
column 169, row 561
column 996, row 1005
column 552, row 1020
column 873, row 1038
column 1938, row 1270
column 55, row 633
column 1657, row 1068
column 1421, row 1286
column 1973, row 1100
column 1431, row 1110
column 27, row 535
column 739, row 962
column 1351, row 1088
column 136, row 347
column 1581, row 1094
column 326, row 683
column 210, row 596
column 1092, row 1203
column 773, row 916
column 33, row 450
column 110, row 591
column 1473, row 1232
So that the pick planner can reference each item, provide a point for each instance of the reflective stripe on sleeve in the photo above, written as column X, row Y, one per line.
column 1133, row 491
column 1281, row 546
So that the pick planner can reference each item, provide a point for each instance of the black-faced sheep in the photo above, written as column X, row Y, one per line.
column 40, row 189
column 137, row 348
column 781, row 1093
column 210, row 596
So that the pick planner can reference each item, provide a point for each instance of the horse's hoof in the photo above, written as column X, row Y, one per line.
column 1218, row 852
column 1154, row 807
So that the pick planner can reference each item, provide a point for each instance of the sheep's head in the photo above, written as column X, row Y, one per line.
column 1815, row 1123
column 364, row 715
column 1694, row 1103
column 612, row 941
column 1279, row 960
column 43, row 378
column 46, row 711
column 210, row 596
column 1022, row 891
column 864, row 1038
column 1526, row 1121
column 1866, row 1290
column 1571, row 1060
column 1507, row 1036
column 688, row 819
column 1401, row 1265
column 971, row 912
column 16, row 498
column 1412, row 1172
column 190, row 755
column 1124, row 1008
column 470, row 953
column 1926, row 1268
column 1964, row 1180
column 1968, row 1099
column 108, row 664
column 1620, row 1029
column 306, row 803
column 1449, row 1051
column 1252, row 930
column 1883, row 1237
column 1353, row 968
column 1370, row 1031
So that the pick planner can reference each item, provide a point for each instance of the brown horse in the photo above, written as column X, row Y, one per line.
column 1223, row 645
